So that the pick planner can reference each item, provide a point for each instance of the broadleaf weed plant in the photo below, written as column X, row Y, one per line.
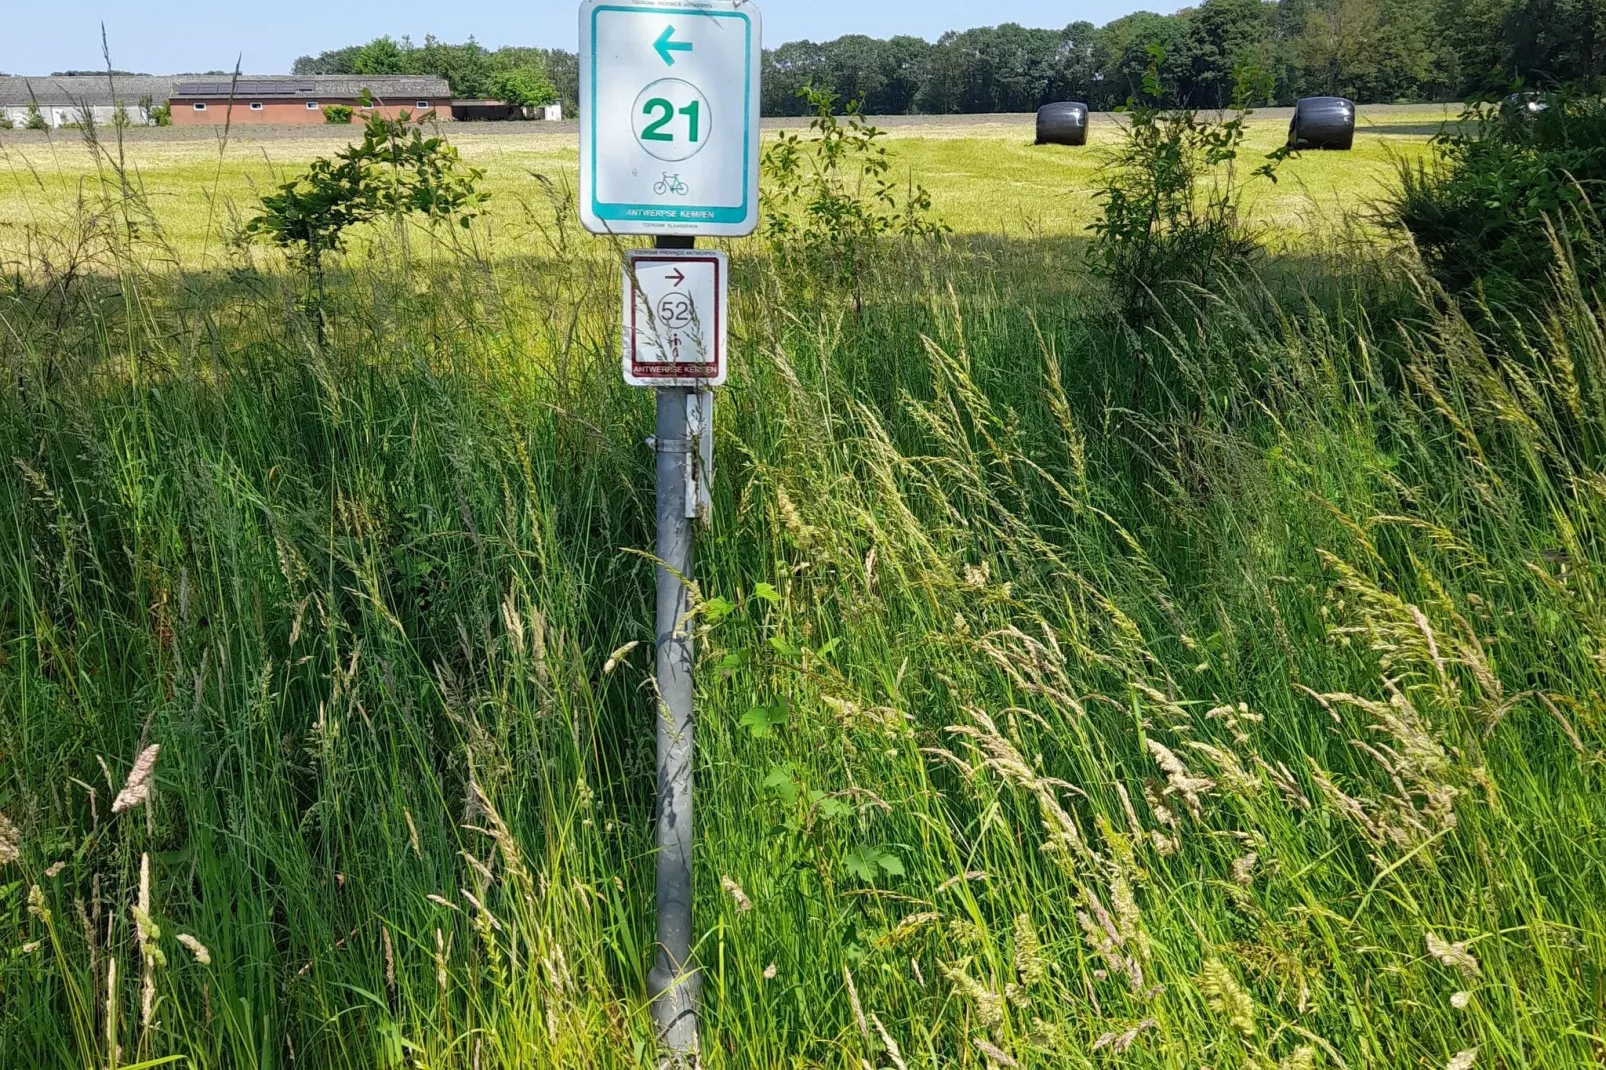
column 1170, row 215
column 831, row 196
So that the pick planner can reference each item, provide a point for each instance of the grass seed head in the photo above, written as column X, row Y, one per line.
column 1227, row 997
column 995, row 1055
column 1455, row 956
column 1029, row 964
column 1301, row 1058
column 137, row 788
column 891, row 1046
column 1179, row 781
column 989, row 1004
column 1120, row 1043
column 743, row 903
column 196, row 949
column 853, row 999
column 36, row 904
column 10, row 841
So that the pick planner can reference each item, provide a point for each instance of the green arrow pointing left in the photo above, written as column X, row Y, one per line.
column 666, row 47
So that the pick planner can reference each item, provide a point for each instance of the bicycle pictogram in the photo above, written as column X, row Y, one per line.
column 670, row 184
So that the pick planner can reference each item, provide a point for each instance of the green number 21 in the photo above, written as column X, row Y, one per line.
column 666, row 113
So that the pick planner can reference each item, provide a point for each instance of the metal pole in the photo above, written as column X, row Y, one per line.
column 673, row 983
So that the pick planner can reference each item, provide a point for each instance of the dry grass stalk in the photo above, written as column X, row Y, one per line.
column 1227, row 997
column 961, row 878
column 1004, row 758
column 853, row 1000
column 1179, row 781
column 137, row 789
column 1456, row 956
column 743, row 903
column 10, row 841
column 1121, row 1042
column 196, row 949
column 891, row 1046
column 995, row 1055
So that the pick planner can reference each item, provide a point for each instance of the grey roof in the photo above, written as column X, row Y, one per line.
column 388, row 87
column 73, row 90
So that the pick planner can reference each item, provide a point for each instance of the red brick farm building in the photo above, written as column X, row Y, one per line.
column 301, row 99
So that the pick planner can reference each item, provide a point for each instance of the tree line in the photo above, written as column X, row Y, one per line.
column 1373, row 51
column 527, row 76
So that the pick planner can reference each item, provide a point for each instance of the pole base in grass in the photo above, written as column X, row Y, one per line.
column 674, row 1014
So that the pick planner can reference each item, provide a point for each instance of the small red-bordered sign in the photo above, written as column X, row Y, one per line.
column 674, row 317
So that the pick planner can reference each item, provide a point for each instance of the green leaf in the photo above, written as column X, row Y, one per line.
column 768, row 593
column 828, row 806
column 784, row 648
column 762, row 720
column 781, row 781
column 864, row 862
column 860, row 864
column 715, row 610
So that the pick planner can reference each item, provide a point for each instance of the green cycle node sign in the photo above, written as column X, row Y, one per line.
column 669, row 99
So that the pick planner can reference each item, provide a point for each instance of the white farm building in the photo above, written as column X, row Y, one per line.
column 62, row 100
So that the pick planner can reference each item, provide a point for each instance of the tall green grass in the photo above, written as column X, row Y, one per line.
column 1249, row 718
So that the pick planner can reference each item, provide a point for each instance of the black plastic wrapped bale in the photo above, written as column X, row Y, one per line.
column 1062, row 124
column 1524, row 105
column 1322, row 123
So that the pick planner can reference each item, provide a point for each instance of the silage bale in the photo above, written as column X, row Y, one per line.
column 1322, row 123
column 1524, row 105
column 1064, row 123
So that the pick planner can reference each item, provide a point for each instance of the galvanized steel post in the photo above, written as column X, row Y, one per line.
column 673, row 982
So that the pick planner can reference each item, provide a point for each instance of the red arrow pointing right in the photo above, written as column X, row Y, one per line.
column 678, row 275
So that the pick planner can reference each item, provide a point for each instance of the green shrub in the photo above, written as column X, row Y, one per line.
column 1170, row 203
column 337, row 114
column 394, row 172
column 830, row 196
column 5, row 122
column 526, row 87
column 1480, row 209
column 36, row 118
column 162, row 114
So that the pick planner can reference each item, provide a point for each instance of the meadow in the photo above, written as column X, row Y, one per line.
column 1225, row 692
column 985, row 175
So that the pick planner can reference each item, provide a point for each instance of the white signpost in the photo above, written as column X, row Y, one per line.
column 669, row 117
column 674, row 317
column 669, row 99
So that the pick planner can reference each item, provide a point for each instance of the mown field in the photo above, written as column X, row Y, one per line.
column 1225, row 692
column 984, row 173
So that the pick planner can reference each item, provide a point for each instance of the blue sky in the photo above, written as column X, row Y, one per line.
column 193, row 35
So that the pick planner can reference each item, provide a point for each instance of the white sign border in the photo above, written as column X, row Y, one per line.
column 589, row 164
column 721, row 316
